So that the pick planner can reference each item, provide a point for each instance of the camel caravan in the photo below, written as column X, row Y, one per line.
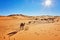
column 48, row 20
column 24, row 26
column 43, row 20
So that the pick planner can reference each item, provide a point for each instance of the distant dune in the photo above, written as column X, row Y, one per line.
column 35, row 28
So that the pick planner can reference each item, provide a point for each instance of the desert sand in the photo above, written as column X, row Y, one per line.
column 39, row 28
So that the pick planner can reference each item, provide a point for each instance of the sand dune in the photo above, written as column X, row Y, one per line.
column 39, row 28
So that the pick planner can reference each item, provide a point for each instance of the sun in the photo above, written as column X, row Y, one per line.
column 47, row 3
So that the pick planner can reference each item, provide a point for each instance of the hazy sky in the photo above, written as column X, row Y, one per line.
column 30, row 7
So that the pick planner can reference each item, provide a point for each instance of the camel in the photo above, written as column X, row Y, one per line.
column 22, row 26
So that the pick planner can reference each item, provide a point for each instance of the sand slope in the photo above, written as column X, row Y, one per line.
column 36, row 30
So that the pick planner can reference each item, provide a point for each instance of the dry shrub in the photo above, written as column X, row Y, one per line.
column 26, row 28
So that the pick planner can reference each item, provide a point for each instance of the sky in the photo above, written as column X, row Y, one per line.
column 30, row 7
